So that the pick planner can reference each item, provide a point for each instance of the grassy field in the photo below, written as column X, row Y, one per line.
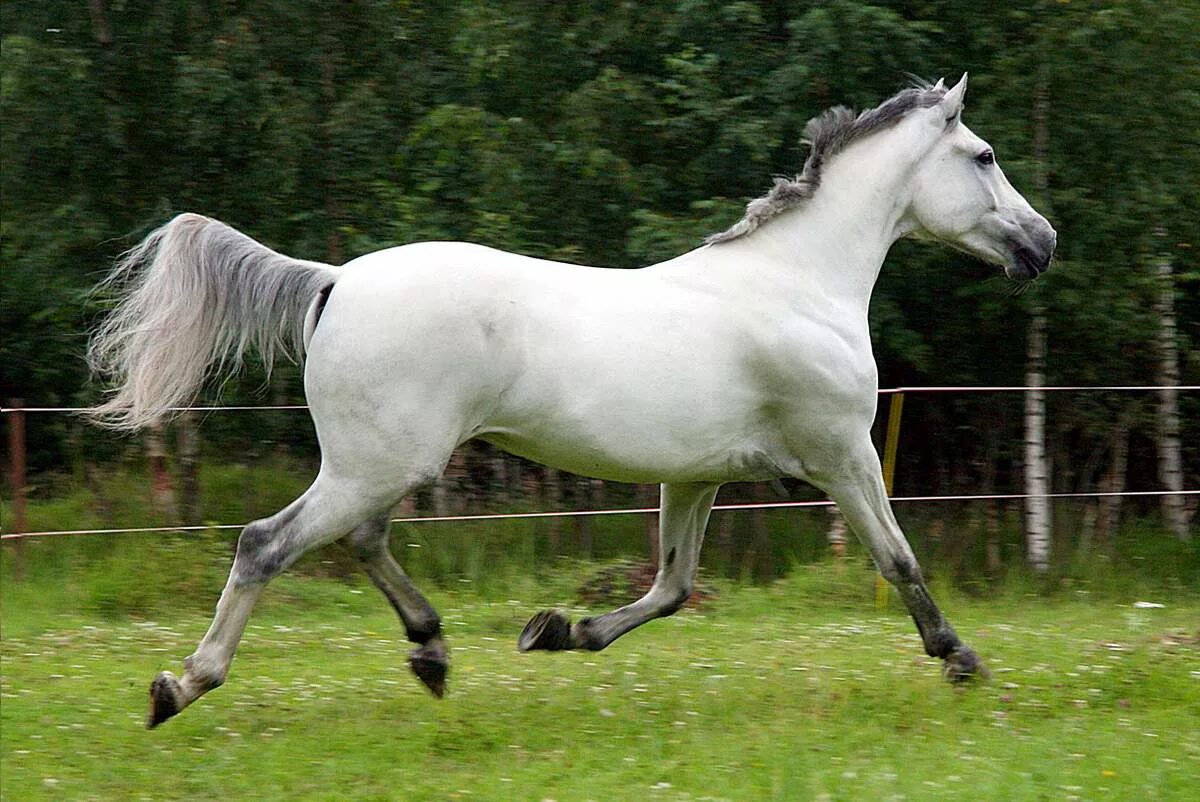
column 797, row 690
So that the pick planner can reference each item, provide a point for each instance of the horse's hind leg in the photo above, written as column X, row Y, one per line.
column 421, row 622
column 682, row 520
column 327, row 510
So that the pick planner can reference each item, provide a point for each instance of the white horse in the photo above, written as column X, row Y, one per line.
column 748, row 358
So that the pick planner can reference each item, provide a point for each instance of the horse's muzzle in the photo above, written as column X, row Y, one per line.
column 1031, row 256
column 1032, row 263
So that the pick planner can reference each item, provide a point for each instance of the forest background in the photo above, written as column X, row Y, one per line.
column 616, row 134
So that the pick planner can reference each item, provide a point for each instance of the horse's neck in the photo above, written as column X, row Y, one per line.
column 838, row 239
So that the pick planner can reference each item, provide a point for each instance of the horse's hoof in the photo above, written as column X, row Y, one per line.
column 548, row 630
column 962, row 665
column 430, row 665
column 164, row 699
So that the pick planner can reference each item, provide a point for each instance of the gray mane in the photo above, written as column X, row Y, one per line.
column 827, row 135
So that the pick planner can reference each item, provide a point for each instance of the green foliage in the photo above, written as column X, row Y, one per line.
column 614, row 135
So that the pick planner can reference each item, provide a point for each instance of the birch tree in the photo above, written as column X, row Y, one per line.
column 1170, row 460
column 1038, row 520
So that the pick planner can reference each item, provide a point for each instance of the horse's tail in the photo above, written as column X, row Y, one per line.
column 191, row 298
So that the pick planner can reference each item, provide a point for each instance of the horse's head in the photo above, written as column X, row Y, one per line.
column 961, row 197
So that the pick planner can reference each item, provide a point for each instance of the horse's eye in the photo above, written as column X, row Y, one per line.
column 986, row 158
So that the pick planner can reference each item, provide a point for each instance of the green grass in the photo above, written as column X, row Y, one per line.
column 796, row 690
column 104, row 573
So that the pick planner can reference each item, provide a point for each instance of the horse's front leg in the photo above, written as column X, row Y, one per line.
column 859, row 491
column 682, row 519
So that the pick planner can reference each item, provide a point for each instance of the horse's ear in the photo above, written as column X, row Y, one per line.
column 951, row 105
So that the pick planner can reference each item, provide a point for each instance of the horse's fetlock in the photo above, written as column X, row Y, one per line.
column 942, row 643
column 421, row 632
column 203, row 676
column 583, row 636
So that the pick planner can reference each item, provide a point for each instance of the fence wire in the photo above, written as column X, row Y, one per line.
column 512, row 516
column 641, row 510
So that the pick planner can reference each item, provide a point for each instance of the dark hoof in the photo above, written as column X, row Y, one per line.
column 962, row 665
column 164, row 699
column 548, row 630
column 430, row 665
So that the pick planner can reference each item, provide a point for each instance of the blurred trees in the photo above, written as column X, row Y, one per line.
column 617, row 134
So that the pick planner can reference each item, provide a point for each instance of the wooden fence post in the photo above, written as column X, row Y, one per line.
column 16, row 478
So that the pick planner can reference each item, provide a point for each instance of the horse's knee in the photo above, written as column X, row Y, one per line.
column 901, row 571
column 367, row 550
column 369, row 542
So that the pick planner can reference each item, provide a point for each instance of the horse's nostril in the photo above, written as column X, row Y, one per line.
column 1044, row 257
column 1048, row 245
column 1025, row 258
column 1033, row 262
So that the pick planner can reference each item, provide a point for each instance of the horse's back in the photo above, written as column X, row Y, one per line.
column 632, row 375
column 602, row 370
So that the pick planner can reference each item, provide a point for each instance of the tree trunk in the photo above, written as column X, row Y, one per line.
column 516, row 478
column 333, row 206
column 189, row 483
column 498, row 482
column 756, row 554
column 101, row 30
column 836, row 534
column 991, row 523
column 1170, row 462
column 552, row 498
column 163, row 487
column 649, row 496
column 991, row 509
column 1038, row 532
column 1114, row 482
column 16, row 478
column 725, row 541
column 449, row 490
column 583, row 523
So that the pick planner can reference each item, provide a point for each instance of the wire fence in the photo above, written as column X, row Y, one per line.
column 512, row 516
column 893, row 391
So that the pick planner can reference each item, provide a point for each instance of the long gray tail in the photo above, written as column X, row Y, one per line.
column 191, row 298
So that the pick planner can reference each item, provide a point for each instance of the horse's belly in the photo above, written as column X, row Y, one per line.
column 639, row 455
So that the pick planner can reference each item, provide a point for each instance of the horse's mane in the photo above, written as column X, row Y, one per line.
column 827, row 135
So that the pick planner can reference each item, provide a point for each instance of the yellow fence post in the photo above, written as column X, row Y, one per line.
column 891, row 443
